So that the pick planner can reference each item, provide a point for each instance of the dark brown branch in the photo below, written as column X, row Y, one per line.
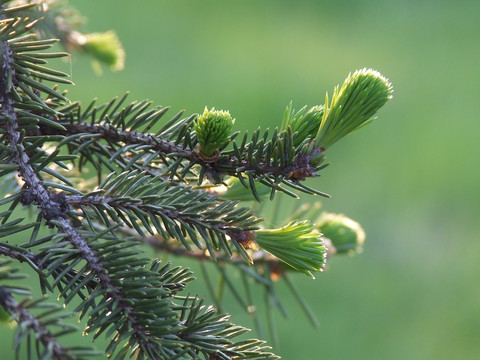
column 22, row 256
column 258, row 257
column 114, row 135
column 39, row 264
column 299, row 169
column 21, row 315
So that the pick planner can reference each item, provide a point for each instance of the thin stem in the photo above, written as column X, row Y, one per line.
column 206, row 277
column 308, row 311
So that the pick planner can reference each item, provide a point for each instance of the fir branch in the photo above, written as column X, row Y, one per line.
column 61, row 21
column 169, row 209
column 53, row 208
column 37, row 317
column 114, row 135
column 21, row 315
column 211, row 218
column 22, row 255
column 169, row 247
column 270, row 162
column 108, row 286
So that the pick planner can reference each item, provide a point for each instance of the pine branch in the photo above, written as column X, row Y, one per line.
column 113, row 135
column 39, row 318
column 170, row 247
column 172, row 210
column 52, row 206
column 60, row 21
column 22, row 255
column 48, row 341
column 271, row 162
column 40, row 264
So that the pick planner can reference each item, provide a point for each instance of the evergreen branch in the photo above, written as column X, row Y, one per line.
column 116, row 302
column 22, row 255
column 40, row 323
column 91, row 256
column 111, row 291
column 54, row 214
column 169, row 247
column 271, row 162
column 37, row 193
column 214, row 332
column 113, row 135
column 172, row 211
column 153, row 195
column 51, row 347
column 40, row 264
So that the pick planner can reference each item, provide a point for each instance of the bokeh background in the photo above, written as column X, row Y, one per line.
column 411, row 178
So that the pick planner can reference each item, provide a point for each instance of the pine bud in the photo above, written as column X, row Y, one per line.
column 297, row 245
column 353, row 105
column 304, row 123
column 213, row 130
column 345, row 234
column 105, row 47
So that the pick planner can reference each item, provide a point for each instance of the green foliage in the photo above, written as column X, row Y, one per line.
column 156, row 183
column 39, row 323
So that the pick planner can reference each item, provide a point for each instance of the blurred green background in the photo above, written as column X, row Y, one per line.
column 411, row 178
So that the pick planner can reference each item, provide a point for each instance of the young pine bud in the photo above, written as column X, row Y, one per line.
column 346, row 235
column 213, row 129
column 296, row 244
column 304, row 123
column 353, row 105
column 104, row 47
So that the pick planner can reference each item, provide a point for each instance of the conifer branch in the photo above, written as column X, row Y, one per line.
column 112, row 135
column 22, row 255
column 43, row 320
column 160, row 205
column 53, row 208
column 169, row 247
column 152, row 143
column 271, row 162
column 18, row 312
